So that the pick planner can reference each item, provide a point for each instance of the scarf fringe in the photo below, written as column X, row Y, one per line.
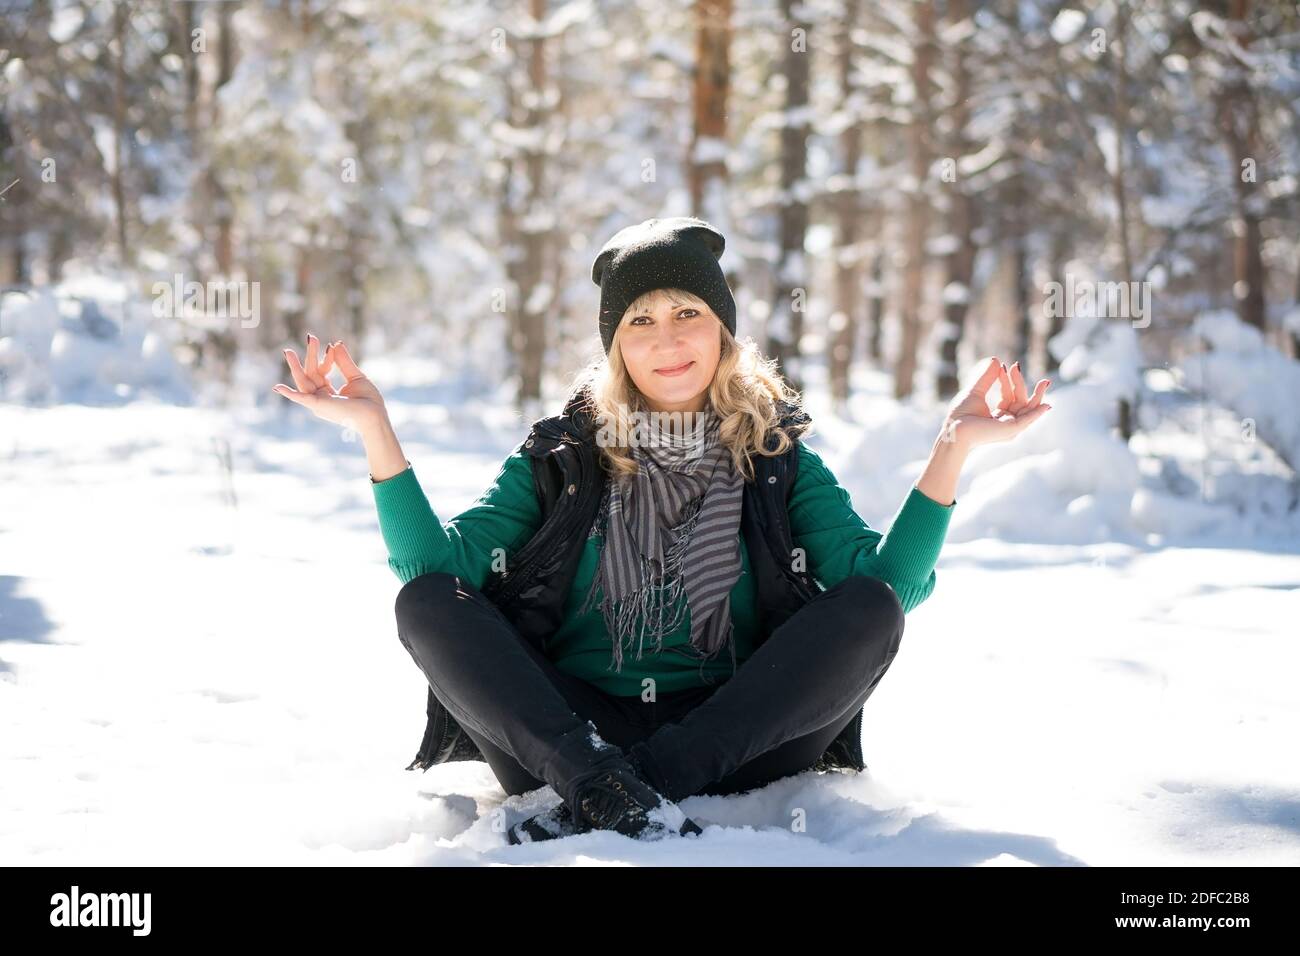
column 662, row 589
column 653, row 600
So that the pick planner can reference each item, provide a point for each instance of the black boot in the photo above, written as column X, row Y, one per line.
column 552, row 824
column 559, row 821
column 617, row 799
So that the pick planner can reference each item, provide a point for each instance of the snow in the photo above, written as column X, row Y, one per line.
column 65, row 23
column 1065, row 28
column 85, row 340
column 944, row 245
column 200, row 667
column 1250, row 377
column 709, row 149
column 956, row 293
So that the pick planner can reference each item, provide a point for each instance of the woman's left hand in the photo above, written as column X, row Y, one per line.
column 970, row 420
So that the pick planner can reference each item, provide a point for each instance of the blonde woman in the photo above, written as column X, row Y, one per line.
column 664, row 592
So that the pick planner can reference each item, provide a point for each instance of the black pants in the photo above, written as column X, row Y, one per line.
column 536, row 725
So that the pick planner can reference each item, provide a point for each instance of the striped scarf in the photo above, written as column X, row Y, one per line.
column 673, row 528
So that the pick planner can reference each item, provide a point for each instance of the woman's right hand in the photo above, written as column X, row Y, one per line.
column 357, row 404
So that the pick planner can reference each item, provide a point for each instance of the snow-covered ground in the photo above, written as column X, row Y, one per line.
column 203, row 670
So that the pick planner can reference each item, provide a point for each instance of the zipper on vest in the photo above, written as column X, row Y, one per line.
column 515, row 582
column 780, row 515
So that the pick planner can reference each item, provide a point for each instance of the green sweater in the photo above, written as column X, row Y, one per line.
column 837, row 543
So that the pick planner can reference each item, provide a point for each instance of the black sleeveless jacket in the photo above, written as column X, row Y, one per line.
column 569, row 482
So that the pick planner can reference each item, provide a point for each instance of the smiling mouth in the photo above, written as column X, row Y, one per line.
column 674, row 369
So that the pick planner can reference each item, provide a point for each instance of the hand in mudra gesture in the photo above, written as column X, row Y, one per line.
column 356, row 404
column 972, row 422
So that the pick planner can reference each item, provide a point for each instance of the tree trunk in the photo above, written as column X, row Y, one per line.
column 918, row 211
column 1021, row 277
column 191, row 70
column 876, row 304
column 295, row 318
column 790, row 294
column 960, row 262
column 1126, row 411
column 121, row 18
column 537, row 230
column 1059, row 255
column 844, row 322
column 1239, row 121
column 1119, row 48
column 706, row 166
column 60, row 249
column 222, row 208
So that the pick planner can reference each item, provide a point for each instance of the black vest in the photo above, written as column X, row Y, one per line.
column 569, row 482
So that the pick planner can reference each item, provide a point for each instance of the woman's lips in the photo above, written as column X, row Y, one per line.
column 676, row 369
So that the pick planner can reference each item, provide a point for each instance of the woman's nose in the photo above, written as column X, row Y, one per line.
column 669, row 335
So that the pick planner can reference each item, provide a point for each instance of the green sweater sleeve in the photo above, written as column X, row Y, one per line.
column 837, row 543
column 503, row 518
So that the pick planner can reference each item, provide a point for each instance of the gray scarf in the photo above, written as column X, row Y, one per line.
column 670, row 529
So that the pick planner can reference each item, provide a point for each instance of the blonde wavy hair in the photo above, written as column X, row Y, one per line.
column 744, row 393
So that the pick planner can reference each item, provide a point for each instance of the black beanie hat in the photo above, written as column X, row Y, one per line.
column 677, row 253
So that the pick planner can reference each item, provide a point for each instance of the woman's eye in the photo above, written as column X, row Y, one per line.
column 684, row 314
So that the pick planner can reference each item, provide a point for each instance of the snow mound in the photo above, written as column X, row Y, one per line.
column 1241, row 371
column 88, row 340
column 1214, row 453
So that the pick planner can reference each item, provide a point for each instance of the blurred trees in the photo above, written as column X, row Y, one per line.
column 897, row 179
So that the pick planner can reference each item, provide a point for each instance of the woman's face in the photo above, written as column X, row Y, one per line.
column 671, row 351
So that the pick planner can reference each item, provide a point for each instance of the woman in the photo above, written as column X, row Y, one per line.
column 572, row 623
